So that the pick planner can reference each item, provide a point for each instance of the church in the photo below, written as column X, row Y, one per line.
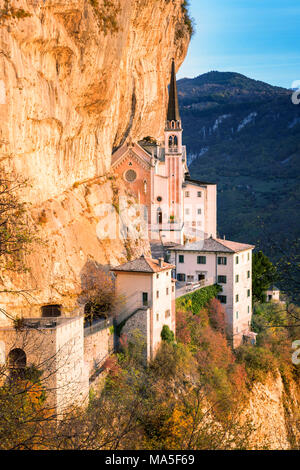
column 181, row 213
column 178, row 208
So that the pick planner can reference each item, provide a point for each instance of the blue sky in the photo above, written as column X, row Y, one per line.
column 258, row 38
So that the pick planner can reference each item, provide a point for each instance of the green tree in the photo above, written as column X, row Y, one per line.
column 264, row 274
column 167, row 335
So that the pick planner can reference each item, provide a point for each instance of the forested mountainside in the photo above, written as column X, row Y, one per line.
column 245, row 135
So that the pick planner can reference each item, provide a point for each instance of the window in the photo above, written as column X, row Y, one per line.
column 248, row 309
column 167, row 314
column 201, row 259
column 222, row 260
column 181, row 258
column 130, row 176
column 159, row 198
column 167, row 273
column 173, row 288
column 145, row 299
column 237, row 260
column 237, row 329
column 237, row 315
column 187, row 194
column 187, row 211
column 51, row 311
column 157, row 294
column 248, row 256
column 237, row 278
column 248, row 293
column 248, row 274
column 199, row 211
column 181, row 277
column 157, row 317
column 222, row 279
column 199, row 194
column 157, row 276
column 222, row 299
column 167, row 291
column 237, row 297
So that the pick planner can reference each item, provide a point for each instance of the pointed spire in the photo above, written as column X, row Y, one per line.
column 173, row 107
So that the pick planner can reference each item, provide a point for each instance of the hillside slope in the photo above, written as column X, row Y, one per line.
column 245, row 135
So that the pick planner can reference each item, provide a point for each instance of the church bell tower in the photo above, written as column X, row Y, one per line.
column 174, row 152
column 173, row 129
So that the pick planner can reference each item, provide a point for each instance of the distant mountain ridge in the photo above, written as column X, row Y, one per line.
column 245, row 135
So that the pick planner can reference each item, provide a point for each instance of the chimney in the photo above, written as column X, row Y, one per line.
column 161, row 262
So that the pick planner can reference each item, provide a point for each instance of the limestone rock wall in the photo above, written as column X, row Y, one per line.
column 274, row 413
column 80, row 78
column 77, row 78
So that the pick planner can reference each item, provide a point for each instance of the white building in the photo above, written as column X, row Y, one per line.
column 148, row 290
column 273, row 294
column 228, row 264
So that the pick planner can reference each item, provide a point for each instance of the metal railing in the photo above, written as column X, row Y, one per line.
column 189, row 287
column 46, row 322
column 98, row 325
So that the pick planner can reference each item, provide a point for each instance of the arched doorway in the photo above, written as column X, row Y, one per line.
column 17, row 359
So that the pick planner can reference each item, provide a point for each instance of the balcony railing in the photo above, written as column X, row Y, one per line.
column 97, row 325
column 189, row 287
column 46, row 322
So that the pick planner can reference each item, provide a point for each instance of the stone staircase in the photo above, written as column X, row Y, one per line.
column 157, row 249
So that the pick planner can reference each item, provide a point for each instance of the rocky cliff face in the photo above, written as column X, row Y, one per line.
column 273, row 410
column 77, row 79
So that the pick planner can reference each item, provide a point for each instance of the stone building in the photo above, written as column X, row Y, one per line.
column 149, row 299
column 54, row 346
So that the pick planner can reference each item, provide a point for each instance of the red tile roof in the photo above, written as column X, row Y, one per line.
column 143, row 265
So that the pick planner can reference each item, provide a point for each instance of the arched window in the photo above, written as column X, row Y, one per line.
column 51, row 310
column 173, row 124
column 17, row 359
column 173, row 142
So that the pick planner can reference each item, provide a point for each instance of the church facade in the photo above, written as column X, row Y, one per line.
column 177, row 207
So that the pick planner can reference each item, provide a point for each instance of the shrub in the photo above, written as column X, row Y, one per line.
column 167, row 334
column 258, row 362
column 198, row 299
column 216, row 314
